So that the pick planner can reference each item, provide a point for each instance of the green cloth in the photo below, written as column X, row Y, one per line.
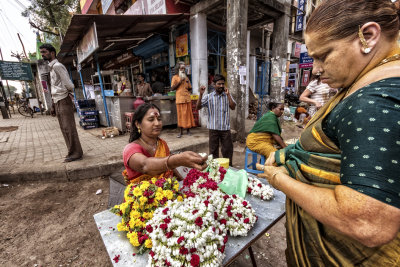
column 267, row 123
column 318, row 159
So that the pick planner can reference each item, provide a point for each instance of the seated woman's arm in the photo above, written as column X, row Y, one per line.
column 155, row 166
column 279, row 140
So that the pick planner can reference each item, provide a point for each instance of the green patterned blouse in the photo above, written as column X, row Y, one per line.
column 366, row 127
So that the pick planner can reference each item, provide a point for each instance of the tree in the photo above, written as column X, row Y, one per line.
column 51, row 17
column 13, row 90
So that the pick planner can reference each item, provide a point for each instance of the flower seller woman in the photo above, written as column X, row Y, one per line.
column 147, row 155
column 342, row 177
column 266, row 133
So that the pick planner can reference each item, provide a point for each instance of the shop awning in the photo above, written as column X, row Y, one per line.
column 116, row 33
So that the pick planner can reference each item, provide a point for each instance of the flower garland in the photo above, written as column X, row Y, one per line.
column 187, row 234
column 140, row 201
column 258, row 189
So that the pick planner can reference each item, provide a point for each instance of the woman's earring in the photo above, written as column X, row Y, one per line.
column 364, row 43
column 138, row 129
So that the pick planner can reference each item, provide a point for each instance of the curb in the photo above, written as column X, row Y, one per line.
column 89, row 167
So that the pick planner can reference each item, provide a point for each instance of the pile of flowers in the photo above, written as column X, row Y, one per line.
column 140, row 202
column 187, row 234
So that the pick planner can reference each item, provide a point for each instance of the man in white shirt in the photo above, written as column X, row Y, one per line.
column 60, row 87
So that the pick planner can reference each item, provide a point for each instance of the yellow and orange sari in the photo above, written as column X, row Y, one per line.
column 161, row 152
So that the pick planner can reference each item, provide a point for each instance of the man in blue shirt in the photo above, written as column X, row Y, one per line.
column 219, row 103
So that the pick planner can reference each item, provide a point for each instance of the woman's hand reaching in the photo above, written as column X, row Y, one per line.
column 188, row 159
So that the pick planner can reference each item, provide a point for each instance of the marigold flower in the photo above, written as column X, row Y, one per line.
column 148, row 243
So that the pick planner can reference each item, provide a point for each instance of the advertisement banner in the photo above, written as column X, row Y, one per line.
column 88, row 44
column 85, row 5
column 105, row 5
column 297, row 49
column 306, row 77
column 15, row 71
column 305, row 61
column 156, row 7
column 300, row 15
column 181, row 45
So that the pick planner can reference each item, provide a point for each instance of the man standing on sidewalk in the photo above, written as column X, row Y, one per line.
column 61, row 86
column 218, row 103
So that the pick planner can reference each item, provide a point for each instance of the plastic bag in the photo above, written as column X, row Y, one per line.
column 234, row 183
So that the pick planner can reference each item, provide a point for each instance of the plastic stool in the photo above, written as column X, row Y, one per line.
column 251, row 167
column 128, row 120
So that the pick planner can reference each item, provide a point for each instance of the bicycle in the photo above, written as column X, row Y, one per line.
column 25, row 109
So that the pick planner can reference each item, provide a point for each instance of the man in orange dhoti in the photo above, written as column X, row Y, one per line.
column 180, row 83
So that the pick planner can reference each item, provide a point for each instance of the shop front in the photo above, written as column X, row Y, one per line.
column 109, row 61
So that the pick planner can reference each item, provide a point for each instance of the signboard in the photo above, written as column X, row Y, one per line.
column 181, row 43
column 105, row 5
column 88, row 45
column 15, row 71
column 300, row 15
column 85, row 5
column 297, row 49
column 156, row 7
column 306, row 78
column 305, row 61
column 135, row 9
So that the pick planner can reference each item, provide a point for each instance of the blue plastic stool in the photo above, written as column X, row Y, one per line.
column 252, row 164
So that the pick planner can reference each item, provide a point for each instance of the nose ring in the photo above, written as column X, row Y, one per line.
column 318, row 73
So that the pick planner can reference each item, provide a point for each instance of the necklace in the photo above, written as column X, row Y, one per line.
column 384, row 61
column 151, row 147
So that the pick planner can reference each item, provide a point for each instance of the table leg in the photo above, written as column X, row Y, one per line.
column 253, row 259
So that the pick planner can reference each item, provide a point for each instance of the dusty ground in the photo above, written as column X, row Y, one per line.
column 51, row 224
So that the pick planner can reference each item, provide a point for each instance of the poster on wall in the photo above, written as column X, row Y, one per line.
column 88, row 45
column 181, row 45
column 306, row 77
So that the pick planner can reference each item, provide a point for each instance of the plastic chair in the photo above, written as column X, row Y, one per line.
column 251, row 166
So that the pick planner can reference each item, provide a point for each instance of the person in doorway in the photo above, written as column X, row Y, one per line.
column 317, row 94
column 143, row 88
column 219, row 104
column 265, row 136
column 158, row 86
column 341, row 179
column 180, row 83
column 147, row 155
column 61, row 87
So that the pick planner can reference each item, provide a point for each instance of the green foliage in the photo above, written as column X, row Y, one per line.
column 13, row 90
column 51, row 17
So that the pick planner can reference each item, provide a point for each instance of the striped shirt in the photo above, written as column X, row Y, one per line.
column 218, row 111
column 319, row 92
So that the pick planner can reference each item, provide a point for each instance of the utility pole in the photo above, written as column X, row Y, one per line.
column 8, row 87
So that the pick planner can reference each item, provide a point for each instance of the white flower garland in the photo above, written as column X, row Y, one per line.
column 258, row 189
column 187, row 234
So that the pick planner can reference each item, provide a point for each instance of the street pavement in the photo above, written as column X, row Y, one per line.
column 36, row 150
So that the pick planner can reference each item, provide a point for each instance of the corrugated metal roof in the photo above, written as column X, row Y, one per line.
column 114, row 27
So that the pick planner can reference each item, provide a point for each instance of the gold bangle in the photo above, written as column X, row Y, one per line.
column 166, row 163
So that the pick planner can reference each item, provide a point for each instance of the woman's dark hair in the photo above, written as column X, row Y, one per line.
column 49, row 48
column 218, row 77
column 138, row 117
column 340, row 19
column 273, row 105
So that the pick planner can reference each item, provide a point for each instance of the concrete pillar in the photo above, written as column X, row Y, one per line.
column 198, row 45
column 236, row 46
column 280, row 39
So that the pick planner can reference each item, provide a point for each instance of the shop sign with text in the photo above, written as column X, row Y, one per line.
column 88, row 44
column 305, row 61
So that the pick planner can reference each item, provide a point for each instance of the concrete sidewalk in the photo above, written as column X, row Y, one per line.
column 36, row 150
